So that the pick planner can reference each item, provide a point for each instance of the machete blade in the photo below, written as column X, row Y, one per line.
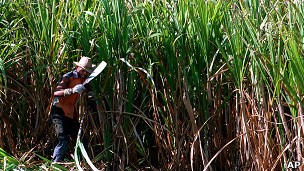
column 96, row 72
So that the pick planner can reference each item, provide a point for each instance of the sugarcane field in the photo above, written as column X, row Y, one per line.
column 151, row 85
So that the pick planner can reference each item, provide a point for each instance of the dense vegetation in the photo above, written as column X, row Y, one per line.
column 190, row 84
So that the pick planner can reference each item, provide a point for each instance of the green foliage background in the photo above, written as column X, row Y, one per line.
column 189, row 83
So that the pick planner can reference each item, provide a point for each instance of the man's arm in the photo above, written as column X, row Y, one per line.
column 62, row 86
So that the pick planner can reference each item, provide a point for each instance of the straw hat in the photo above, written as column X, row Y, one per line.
column 86, row 63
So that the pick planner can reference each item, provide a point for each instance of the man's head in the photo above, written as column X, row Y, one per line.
column 84, row 67
column 82, row 72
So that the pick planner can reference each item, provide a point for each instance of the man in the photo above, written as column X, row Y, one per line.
column 63, row 112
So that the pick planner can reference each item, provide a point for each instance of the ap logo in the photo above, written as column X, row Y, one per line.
column 293, row 165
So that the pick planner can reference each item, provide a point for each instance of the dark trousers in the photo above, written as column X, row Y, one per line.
column 65, row 127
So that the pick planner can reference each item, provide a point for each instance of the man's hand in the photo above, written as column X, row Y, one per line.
column 79, row 88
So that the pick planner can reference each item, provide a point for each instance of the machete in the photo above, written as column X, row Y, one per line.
column 96, row 71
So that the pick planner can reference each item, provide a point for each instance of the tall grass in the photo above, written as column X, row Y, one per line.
column 189, row 84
